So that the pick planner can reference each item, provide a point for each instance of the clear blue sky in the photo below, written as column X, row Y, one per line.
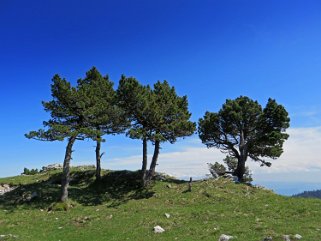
column 209, row 50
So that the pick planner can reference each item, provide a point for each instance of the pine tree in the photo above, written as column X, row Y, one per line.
column 68, row 121
column 103, row 114
column 157, row 115
column 136, row 100
column 243, row 129
column 169, row 119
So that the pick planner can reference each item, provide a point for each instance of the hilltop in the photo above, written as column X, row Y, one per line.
column 118, row 209
column 309, row 194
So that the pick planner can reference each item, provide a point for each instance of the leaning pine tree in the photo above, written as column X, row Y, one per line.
column 243, row 129
column 169, row 120
column 103, row 114
column 67, row 111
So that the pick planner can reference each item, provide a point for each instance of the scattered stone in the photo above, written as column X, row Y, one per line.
column 286, row 237
column 268, row 239
column 52, row 167
column 167, row 215
column 85, row 167
column 4, row 237
column 169, row 186
column 297, row 236
column 97, row 210
column 82, row 220
column 59, row 227
column 110, row 216
column 158, row 229
column 225, row 237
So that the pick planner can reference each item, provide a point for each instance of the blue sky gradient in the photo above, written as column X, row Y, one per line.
column 209, row 50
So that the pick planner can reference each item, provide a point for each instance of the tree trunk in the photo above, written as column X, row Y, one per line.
column 240, row 169
column 66, row 170
column 144, row 164
column 98, row 157
column 153, row 164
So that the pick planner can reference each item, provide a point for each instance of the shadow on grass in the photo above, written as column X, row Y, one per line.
column 114, row 189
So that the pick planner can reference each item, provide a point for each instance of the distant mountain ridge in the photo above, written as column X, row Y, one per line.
column 309, row 194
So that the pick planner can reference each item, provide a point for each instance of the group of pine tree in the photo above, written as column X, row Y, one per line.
column 93, row 109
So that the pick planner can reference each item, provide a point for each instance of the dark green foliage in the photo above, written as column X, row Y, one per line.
column 217, row 169
column 27, row 171
column 136, row 100
column 170, row 118
column 157, row 115
column 103, row 115
column 67, row 112
column 102, row 112
column 243, row 129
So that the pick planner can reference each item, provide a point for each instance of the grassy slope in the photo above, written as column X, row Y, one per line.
column 118, row 210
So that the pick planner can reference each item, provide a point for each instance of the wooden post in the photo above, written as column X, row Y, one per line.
column 190, row 184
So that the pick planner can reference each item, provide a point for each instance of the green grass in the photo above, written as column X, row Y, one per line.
column 118, row 209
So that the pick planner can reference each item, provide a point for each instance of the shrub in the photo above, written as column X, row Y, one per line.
column 27, row 171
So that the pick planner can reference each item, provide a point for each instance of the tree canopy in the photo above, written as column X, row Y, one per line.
column 242, row 129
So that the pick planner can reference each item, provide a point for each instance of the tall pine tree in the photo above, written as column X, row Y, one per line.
column 170, row 119
column 67, row 121
column 103, row 114
column 157, row 115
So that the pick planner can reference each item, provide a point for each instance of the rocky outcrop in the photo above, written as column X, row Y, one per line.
column 51, row 167
column 4, row 188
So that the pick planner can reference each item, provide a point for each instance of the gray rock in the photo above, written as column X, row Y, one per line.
column 297, row 236
column 34, row 195
column 167, row 215
column 286, row 238
column 225, row 237
column 268, row 239
column 4, row 188
column 158, row 229
column 52, row 167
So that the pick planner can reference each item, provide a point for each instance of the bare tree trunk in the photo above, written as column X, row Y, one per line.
column 144, row 164
column 240, row 169
column 153, row 164
column 66, row 170
column 98, row 158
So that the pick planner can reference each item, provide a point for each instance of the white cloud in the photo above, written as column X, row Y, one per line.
column 299, row 162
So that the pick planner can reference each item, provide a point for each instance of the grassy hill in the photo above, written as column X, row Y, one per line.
column 118, row 209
